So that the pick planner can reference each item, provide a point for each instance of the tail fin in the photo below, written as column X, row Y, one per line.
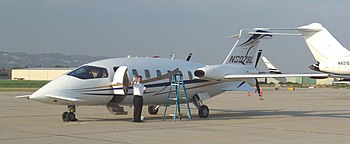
column 271, row 67
column 274, row 70
column 245, row 49
column 321, row 43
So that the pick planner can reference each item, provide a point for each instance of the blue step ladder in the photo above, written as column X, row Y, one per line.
column 178, row 83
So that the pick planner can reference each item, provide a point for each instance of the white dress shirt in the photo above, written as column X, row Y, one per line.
column 138, row 88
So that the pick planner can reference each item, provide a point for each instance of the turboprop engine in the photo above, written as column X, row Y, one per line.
column 219, row 72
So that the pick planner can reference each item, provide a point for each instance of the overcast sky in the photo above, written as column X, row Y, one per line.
column 160, row 27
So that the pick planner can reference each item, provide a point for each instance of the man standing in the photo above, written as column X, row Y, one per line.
column 139, row 89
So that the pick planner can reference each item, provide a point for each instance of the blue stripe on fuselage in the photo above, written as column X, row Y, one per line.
column 147, row 85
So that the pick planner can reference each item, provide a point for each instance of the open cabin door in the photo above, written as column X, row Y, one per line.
column 120, row 81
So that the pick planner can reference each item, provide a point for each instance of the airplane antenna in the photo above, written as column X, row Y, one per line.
column 189, row 57
column 172, row 56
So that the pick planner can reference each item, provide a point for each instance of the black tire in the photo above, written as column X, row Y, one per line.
column 71, row 116
column 203, row 111
column 65, row 117
column 152, row 110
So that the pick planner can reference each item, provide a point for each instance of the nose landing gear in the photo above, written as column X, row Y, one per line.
column 70, row 114
column 203, row 110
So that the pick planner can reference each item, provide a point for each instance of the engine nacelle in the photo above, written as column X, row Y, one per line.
column 218, row 72
column 314, row 67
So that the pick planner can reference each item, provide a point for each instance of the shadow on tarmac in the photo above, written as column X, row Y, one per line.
column 225, row 114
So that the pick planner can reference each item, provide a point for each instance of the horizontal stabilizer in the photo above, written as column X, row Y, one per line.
column 281, row 34
column 322, row 44
column 291, row 29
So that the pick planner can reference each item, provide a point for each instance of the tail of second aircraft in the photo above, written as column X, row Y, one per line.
column 321, row 43
column 245, row 50
column 270, row 66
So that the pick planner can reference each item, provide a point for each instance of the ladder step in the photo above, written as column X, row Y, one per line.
column 183, row 98
column 177, row 82
column 181, row 114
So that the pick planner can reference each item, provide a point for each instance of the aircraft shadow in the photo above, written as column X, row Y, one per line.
column 226, row 114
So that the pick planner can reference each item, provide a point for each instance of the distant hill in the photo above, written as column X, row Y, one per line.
column 47, row 60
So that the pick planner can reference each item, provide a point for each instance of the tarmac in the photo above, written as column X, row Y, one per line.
column 318, row 115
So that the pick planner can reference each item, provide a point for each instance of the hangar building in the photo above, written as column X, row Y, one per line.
column 38, row 73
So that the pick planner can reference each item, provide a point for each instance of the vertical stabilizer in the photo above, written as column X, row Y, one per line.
column 273, row 70
column 245, row 49
column 321, row 43
column 270, row 66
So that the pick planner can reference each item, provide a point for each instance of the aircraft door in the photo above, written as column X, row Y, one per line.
column 120, row 81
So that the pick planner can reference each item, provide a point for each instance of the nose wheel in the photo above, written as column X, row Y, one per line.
column 203, row 110
column 70, row 114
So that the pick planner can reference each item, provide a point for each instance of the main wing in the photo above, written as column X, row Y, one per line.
column 245, row 76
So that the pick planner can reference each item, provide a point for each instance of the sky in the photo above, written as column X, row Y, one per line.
column 117, row 28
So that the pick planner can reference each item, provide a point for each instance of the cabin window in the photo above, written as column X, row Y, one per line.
column 190, row 76
column 147, row 74
column 134, row 72
column 159, row 73
column 89, row 72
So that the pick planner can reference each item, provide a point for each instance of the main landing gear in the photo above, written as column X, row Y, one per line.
column 203, row 110
column 153, row 110
column 70, row 114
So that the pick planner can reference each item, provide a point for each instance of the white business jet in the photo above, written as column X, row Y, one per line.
column 331, row 56
column 106, row 82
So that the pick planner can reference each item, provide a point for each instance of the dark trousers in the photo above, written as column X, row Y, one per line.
column 138, row 103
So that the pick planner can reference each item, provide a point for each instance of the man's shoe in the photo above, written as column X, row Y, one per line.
column 141, row 121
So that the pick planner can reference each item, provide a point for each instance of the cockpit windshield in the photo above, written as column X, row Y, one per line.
column 89, row 72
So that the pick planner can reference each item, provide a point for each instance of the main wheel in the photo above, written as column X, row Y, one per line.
column 65, row 117
column 152, row 110
column 71, row 116
column 203, row 111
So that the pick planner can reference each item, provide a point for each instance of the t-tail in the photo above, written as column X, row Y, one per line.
column 245, row 50
column 321, row 43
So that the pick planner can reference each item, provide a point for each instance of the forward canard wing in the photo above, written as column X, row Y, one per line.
column 23, row 96
column 64, row 98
